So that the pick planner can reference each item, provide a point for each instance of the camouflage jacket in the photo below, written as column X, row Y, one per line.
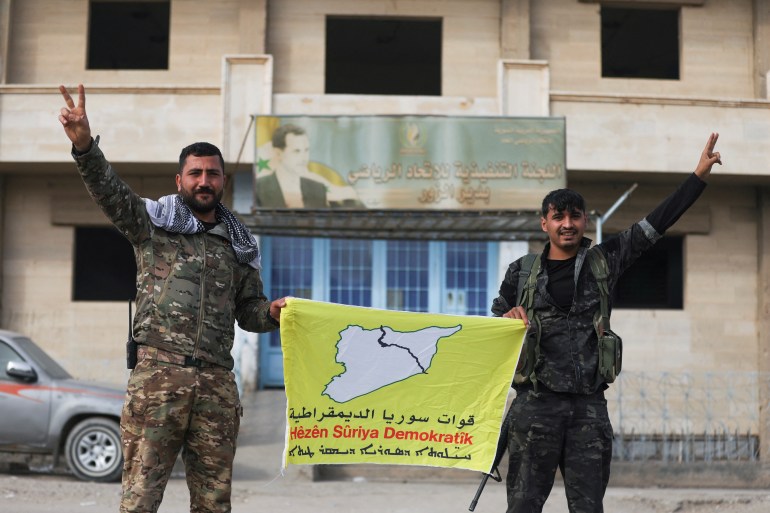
column 568, row 342
column 190, row 288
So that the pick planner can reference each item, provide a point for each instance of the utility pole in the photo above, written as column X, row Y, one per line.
column 601, row 219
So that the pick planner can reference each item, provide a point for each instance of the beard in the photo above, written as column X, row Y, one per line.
column 198, row 205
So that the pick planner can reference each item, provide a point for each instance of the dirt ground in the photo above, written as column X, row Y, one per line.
column 45, row 493
column 259, row 487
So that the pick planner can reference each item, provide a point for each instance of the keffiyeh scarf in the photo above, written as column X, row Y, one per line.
column 172, row 214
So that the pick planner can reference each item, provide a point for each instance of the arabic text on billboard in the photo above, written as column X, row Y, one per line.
column 382, row 162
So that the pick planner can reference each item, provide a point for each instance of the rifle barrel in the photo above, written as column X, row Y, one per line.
column 475, row 500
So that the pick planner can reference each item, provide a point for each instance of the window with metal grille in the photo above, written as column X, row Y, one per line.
column 466, row 278
column 350, row 272
column 407, row 275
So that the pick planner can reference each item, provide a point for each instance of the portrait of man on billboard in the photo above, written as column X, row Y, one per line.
column 291, row 180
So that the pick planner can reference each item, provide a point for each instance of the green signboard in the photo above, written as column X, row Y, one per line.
column 408, row 162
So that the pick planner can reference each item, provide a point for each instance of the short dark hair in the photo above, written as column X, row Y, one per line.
column 280, row 133
column 200, row 149
column 562, row 199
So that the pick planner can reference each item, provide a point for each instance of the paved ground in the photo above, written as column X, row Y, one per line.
column 259, row 486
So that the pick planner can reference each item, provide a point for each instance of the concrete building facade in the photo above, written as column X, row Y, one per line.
column 231, row 59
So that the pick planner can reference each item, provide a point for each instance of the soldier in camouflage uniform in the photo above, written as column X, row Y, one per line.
column 559, row 416
column 197, row 273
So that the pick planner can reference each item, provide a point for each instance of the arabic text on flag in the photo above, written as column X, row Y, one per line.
column 374, row 386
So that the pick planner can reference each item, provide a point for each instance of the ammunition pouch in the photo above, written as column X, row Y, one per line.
column 610, row 345
column 610, row 356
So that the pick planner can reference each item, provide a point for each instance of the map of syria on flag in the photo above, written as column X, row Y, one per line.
column 365, row 385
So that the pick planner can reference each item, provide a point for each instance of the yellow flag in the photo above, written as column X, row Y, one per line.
column 378, row 386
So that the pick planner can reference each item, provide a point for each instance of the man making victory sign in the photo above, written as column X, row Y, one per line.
column 197, row 273
column 559, row 416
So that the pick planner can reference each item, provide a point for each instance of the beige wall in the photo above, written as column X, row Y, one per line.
column 717, row 329
column 716, row 58
column 645, row 130
column 684, row 369
column 37, row 285
column 87, row 337
column 5, row 23
column 616, row 133
column 136, row 124
column 763, row 313
column 38, row 221
column 721, row 291
column 471, row 40
column 49, row 42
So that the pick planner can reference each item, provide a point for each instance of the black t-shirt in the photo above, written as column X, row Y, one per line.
column 561, row 281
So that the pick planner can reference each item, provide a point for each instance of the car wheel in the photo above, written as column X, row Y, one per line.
column 93, row 450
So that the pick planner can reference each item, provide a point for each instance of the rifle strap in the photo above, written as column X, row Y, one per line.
column 527, row 285
column 601, row 272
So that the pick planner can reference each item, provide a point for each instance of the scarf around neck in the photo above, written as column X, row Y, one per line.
column 172, row 214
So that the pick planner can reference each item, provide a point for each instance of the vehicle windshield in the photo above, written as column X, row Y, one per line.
column 48, row 364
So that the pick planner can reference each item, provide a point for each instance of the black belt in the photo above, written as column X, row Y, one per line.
column 189, row 361
column 162, row 355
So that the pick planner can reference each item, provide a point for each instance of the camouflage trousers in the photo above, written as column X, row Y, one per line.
column 170, row 408
column 568, row 431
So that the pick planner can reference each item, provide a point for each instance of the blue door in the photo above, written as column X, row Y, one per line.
column 287, row 270
column 414, row 275
column 350, row 272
